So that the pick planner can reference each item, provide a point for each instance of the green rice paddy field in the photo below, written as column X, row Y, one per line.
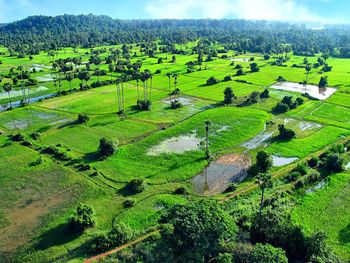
column 37, row 199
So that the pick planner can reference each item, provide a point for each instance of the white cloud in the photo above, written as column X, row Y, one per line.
column 246, row 9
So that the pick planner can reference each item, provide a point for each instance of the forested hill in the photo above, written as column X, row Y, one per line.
column 37, row 33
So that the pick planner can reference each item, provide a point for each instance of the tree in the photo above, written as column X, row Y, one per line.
column 8, row 88
column 106, row 147
column 212, row 81
column 284, row 133
column 228, row 96
column 268, row 254
column 83, row 118
column 169, row 77
column 263, row 162
column 195, row 230
column 240, row 72
column 254, row 67
column 137, row 185
column 265, row 94
column 70, row 78
column 308, row 68
column 264, row 181
column 323, row 82
column 207, row 126
column 83, row 218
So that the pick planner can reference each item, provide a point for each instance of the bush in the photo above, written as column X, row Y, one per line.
column 228, row 96
column 268, row 254
column 129, row 203
column 176, row 104
column 313, row 162
column 240, row 72
column 212, row 81
column 19, row 137
column 136, row 186
column 333, row 163
column 265, row 94
column 106, row 147
column 293, row 176
column 83, row 218
column 182, row 190
column 35, row 135
column 301, row 168
column 280, row 108
column 281, row 79
column 231, row 188
column 83, row 118
column 120, row 234
column 227, row 78
column 284, row 133
column 144, row 105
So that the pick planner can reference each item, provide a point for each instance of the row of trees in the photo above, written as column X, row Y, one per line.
column 36, row 33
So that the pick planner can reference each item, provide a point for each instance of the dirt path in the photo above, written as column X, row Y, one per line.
column 103, row 255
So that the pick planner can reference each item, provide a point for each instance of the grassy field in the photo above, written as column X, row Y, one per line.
column 49, row 192
column 325, row 210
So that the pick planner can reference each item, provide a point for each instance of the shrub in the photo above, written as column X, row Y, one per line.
column 281, row 79
column 182, row 190
column 228, row 96
column 212, row 81
column 106, row 147
column 38, row 161
column 293, row 176
column 280, row 108
column 266, row 56
column 333, row 163
column 301, row 168
column 129, row 203
column 240, row 72
column 254, row 67
column 227, row 78
column 176, row 104
column 265, row 94
column 144, row 105
column 313, row 162
column 83, row 118
column 83, row 218
column 284, row 133
column 267, row 253
column 119, row 235
column 231, row 188
column 19, row 137
column 137, row 185
column 35, row 135
column 299, row 184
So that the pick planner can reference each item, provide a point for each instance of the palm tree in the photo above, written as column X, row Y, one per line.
column 8, row 88
column 20, row 68
column 70, row 77
column 137, row 77
column 119, row 95
column 207, row 127
column 308, row 68
column 264, row 181
column 150, row 87
column 169, row 77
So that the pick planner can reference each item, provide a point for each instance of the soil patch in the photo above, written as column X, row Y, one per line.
column 219, row 174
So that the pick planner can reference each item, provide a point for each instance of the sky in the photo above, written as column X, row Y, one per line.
column 327, row 11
